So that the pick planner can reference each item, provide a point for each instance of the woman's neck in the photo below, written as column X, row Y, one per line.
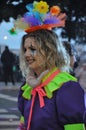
column 38, row 71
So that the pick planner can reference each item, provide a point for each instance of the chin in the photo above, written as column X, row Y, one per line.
column 32, row 67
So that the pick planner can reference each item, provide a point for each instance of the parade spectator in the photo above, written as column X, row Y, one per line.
column 73, row 60
column 81, row 75
column 8, row 59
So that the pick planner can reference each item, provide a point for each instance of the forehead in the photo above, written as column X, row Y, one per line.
column 30, row 41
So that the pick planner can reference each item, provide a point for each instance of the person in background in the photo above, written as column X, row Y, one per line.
column 50, row 98
column 8, row 59
column 81, row 74
column 78, row 70
column 73, row 60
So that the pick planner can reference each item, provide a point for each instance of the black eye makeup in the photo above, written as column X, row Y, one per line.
column 33, row 50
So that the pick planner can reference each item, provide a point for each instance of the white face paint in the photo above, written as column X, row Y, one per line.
column 33, row 51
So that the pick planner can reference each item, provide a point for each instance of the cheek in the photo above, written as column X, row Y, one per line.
column 33, row 53
column 41, row 60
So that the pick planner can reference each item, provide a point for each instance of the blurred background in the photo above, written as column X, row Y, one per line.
column 74, row 32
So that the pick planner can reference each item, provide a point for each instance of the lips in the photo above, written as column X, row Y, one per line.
column 29, row 61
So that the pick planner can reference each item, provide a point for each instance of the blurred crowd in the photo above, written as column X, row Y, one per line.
column 9, row 67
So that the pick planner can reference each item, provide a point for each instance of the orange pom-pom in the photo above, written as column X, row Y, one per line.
column 55, row 10
column 12, row 30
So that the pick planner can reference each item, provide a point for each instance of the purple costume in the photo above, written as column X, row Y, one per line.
column 65, row 107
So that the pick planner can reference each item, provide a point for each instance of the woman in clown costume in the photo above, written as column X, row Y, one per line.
column 50, row 98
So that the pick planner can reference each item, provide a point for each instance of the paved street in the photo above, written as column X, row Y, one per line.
column 9, row 114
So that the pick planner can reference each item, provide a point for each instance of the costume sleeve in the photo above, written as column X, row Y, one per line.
column 20, row 101
column 70, row 105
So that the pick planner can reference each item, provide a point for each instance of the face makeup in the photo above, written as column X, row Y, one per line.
column 34, row 58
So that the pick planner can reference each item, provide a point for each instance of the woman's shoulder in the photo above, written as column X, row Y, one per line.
column 71, row 88
column 57, row 82
column 20, row 88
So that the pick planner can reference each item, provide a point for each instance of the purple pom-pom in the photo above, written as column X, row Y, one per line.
column 32, row 21
column 52, row 20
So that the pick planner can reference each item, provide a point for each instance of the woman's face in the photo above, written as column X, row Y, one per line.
column 33, row 57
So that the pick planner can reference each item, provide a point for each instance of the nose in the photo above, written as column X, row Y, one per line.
column 27, row 53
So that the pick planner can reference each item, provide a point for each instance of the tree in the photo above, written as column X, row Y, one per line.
column 75, row 10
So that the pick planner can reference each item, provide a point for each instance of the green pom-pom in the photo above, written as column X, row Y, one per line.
column 12, row 31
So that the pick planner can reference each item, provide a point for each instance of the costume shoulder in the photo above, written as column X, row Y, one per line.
column 70, row 105
column 57, row 82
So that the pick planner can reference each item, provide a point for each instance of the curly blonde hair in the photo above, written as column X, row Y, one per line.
column 54, row 50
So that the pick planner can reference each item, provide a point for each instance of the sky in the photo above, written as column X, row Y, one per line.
column 13, row 41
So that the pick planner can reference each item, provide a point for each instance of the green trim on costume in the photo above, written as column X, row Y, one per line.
column 55, row 84
column 22, row 119
column 79, row 126
column 27, row 91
